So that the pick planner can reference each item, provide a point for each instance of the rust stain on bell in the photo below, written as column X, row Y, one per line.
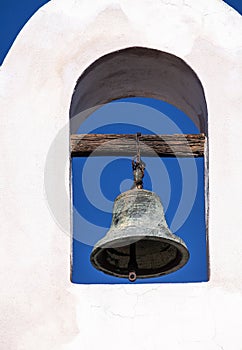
column 139, row 243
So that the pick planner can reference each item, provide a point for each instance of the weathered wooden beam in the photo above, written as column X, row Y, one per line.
column 177, row 145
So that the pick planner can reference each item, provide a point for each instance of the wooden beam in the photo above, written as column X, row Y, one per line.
column 177, row 145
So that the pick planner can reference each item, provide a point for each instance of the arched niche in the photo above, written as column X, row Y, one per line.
column 139, row 71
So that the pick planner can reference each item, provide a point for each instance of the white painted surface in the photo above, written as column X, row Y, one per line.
column 40, row 308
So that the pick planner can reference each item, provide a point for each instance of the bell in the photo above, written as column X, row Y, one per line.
column 139, row 243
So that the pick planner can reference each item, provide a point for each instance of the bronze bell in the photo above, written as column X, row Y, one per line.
column 139, row 243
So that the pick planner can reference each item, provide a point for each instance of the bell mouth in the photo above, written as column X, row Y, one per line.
column 155, row 256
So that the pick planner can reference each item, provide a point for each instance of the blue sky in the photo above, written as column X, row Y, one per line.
column 165, row 176
column 97, row 181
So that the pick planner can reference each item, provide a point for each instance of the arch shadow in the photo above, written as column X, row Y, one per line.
column 139, row 72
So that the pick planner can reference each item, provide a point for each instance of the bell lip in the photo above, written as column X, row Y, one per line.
column 181, row 247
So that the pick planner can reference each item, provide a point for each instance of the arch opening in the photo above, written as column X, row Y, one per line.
column 138, row 73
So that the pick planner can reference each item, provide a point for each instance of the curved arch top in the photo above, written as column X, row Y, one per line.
column 144, row 72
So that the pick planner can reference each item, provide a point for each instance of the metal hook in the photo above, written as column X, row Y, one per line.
column 138, row 166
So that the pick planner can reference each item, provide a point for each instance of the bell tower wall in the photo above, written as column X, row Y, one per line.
column 41, row 308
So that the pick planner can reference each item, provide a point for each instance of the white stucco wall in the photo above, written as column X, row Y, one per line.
column 40, row 308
